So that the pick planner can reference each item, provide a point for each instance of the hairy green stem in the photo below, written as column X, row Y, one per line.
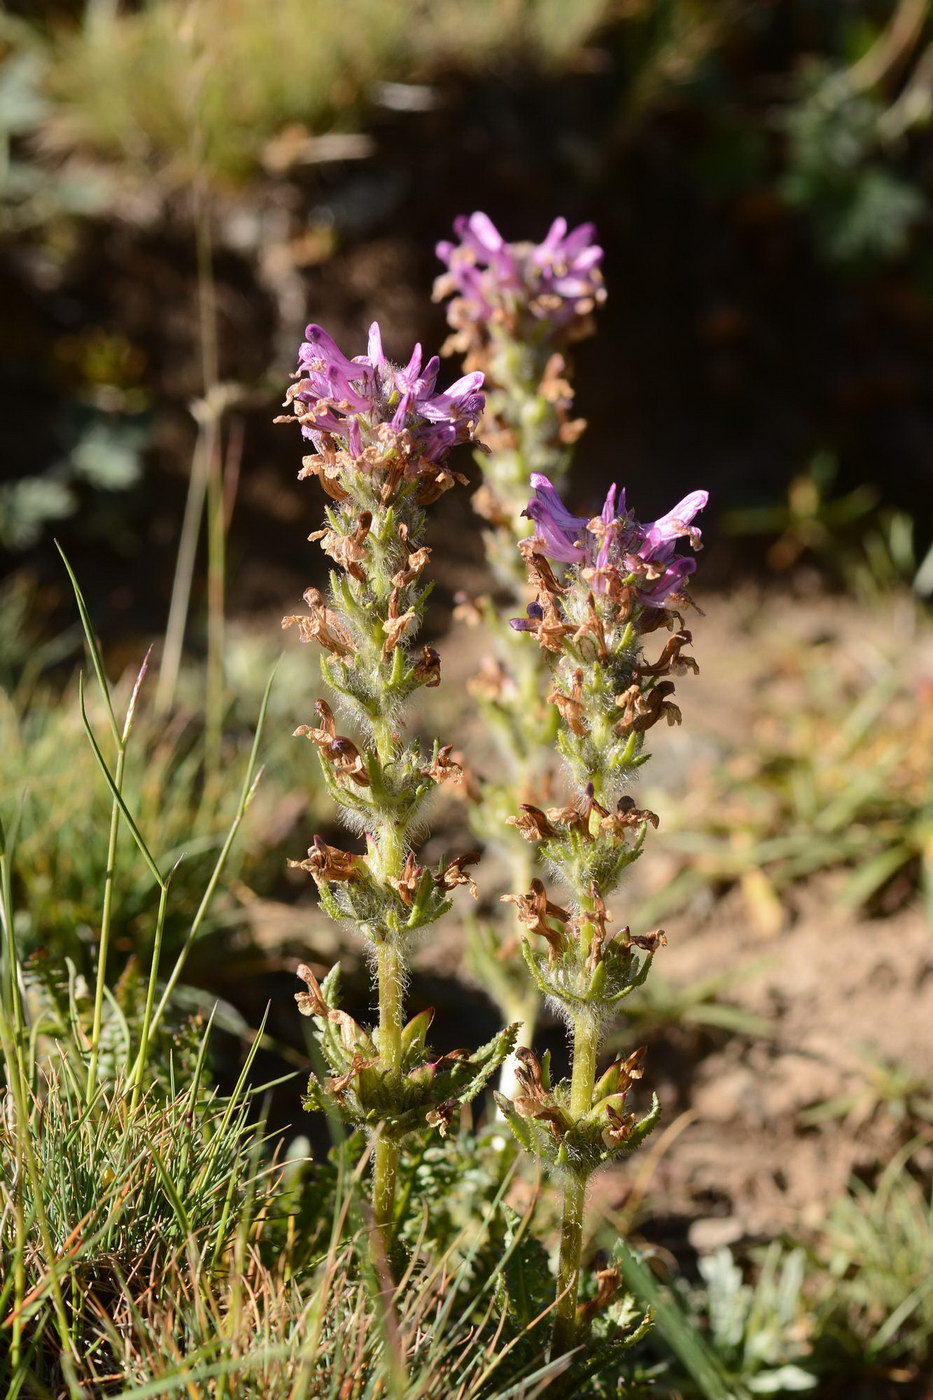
column 385, row 1174
column 585, row 1051
column 385, row 1160
column 390, row 975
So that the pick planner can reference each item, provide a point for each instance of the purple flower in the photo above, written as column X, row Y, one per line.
column 560, row 531
column 554, row 284
column 529, row 623
column 355, row 401
column 614, row 544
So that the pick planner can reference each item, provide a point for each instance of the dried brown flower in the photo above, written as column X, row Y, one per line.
column 540, row 573
column 648, row 942
column 348, row 550
column 328, row 863
column 409, row 880
column 534, row 909
column 428, row 669
column 533, row 825
column 571, row 708
column 323, row 626
column 339, row 751
column 455, row 873
column 444, row 767
column 671, row 659
column 312, row 1003
column 395, row 624
column 534, row 1101
column 607, row 1286
column 642, row 709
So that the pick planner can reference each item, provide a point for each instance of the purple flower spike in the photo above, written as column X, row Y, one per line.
column 351, row 404
column 549, row 287
column 613, row 548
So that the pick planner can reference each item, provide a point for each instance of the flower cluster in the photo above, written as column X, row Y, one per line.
column 613, row 549
column 624, row 581
column 542, row 1118
column 366, row 414
column 529, row 290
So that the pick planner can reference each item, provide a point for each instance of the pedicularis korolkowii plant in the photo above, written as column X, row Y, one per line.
column 381, row 436
column 514, row 308
column 622, row 581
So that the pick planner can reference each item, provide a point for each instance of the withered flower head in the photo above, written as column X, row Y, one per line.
column 323, row 626
column 534, row 910
column 607, row 1286
column 442, row 1115
column 626, row 817
column 337, row 749
column 534, row 1100
column 395, row 624
column 409, row 880
column 619, row 1127
column 533, row 824
column 672, row 659
column 545, row 619
column 444, row 766
column 649, row 942
column 312, row 1003
column 349, row 551
column 641, row 709
column 414, row 567
column 428, row 669
column 455, row 873
column 571, row 707
column 327, row 863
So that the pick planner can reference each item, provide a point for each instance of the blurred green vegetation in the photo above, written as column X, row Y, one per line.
column 792, row 142
column 178, row 89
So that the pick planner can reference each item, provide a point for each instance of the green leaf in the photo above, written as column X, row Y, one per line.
column 525, row 1284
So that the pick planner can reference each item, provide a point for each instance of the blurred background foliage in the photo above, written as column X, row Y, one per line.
column 757, row 173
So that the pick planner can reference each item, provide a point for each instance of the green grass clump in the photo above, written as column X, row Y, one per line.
column 44, row 755
column 876, row 1247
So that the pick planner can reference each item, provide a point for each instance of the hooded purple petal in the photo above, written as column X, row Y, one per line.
column 559, row 531
column 675, row 524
